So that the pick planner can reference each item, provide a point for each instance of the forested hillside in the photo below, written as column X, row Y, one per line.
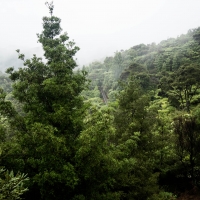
column 154, row 90
column 126, row 128
column 149, row 62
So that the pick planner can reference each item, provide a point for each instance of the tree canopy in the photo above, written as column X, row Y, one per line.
column 125, row 128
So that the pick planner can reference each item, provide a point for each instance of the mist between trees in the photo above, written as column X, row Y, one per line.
column 125, row 128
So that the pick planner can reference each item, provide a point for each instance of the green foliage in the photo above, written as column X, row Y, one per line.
column 165, row 79
column 164, row 137
column 181, row 86
column 94, row 157
column 51, row 116
column 119, row 136
column 135, row 142
column 12, row 186
column 163, row 196
column 167, row 56
column 186, row 129
column 5, row 83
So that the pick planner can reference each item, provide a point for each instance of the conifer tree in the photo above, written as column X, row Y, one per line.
column 134, row 121
column 52, row 113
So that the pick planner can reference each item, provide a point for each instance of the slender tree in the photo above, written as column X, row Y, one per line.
column 134, row 121
column 52, row 113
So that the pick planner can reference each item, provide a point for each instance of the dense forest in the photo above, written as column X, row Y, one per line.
column 126, row 128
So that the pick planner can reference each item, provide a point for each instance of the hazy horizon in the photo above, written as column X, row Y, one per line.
column 99, row 27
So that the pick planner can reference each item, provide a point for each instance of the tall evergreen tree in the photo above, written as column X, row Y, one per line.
column 134, row 121
column 52, row 113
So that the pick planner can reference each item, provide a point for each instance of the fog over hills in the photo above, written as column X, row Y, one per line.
column 99, row 27
column 9, row 56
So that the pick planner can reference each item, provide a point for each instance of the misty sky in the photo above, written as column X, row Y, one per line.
column 99, row 27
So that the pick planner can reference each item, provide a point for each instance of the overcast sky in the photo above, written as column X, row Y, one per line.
column 99, row 27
